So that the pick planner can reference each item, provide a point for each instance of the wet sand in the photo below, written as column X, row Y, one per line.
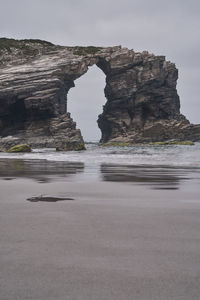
column 118, row 239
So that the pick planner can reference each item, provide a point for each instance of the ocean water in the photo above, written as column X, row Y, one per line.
column 163, row 167
column 171, row 155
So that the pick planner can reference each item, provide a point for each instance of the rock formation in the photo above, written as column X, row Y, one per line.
column 35, row 77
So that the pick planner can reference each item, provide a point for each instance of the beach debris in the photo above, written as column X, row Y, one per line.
column 48, row 199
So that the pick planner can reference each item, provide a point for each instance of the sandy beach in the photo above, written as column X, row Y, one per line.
column 114, row 240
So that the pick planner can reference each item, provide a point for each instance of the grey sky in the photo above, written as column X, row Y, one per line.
column 170, row 28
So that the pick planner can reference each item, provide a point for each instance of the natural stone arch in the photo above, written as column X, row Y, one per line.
column 142, row 101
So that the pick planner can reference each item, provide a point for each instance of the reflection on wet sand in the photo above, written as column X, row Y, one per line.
column 155, row 176
column 158, row 177
column 40, row 170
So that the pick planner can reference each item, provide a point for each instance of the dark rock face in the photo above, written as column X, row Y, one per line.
column 142, row 101
column 143, row 104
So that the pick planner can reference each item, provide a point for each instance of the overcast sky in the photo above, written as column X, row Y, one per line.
column 170, row 28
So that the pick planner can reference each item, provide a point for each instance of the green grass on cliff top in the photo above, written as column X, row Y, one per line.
column 26, row 46
column 7, row 44
column 86, row 50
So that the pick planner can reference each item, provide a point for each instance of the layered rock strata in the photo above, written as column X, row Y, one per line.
column 35, row 77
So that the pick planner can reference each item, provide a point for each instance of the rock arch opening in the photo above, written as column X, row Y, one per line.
column 85, row 103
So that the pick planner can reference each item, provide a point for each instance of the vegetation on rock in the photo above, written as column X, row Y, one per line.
column 6, row 43
column 27, row 46
column 70, row 146
column 86, row 50
column 190, row 143
column 127, row 144
column 20, row 148
column 82, row 146
column 118, row 144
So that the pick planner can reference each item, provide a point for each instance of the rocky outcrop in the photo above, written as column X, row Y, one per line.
column 20, row 148
column 143, row 104
column 35, row 77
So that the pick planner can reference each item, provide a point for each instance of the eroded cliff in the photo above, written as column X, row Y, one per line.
column 35, row 77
